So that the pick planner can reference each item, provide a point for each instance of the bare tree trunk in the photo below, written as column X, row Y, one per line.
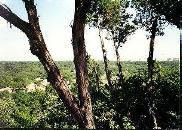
column 120, row 75
column 108, row 72
column 80, row 62
column 38, row 48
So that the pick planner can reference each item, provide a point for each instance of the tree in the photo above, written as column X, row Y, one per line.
column 120, row 31
column 106, row 61
column 112, row 22
column 171, row 10
column 111, row 15
column 151, row 50
column 97, row 17
column 167, row 10
column 153, row 23
column 39, row 49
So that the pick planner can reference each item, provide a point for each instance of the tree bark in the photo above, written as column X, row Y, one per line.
column 80, row 62
column 38, row 48
column 108, row 72
column 151, row 51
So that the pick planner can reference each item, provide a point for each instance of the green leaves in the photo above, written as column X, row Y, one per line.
column 104, row 13
column 171, row 9
column 111, row 15
column 125, row 107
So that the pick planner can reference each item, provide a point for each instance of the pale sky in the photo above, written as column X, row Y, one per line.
column 55, row 18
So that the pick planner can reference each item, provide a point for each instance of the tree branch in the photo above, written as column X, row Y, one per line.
column 13, row 19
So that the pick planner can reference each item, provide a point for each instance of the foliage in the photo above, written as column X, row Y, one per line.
column 128, row 105
column 36, row 109
column 111, row 15
column 169, row 9
column 146, row 15
column 17, row 75
column 122, row 108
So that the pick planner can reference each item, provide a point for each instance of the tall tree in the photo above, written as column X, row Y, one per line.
column 153, row 23
column 97, row 17
column 171, row 10
column 151, row 50
column 120, row 31
column 163, row 10
column 111, row 15
column 114, row 22
column 39, row 49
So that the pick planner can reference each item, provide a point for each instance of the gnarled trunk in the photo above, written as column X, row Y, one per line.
column 38, row 48
column 80, row 62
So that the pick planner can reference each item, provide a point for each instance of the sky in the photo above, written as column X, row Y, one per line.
column 55, row 19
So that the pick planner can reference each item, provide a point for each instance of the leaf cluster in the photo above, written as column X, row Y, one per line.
column 112, row 16
column 170, row 9
column 146, row 16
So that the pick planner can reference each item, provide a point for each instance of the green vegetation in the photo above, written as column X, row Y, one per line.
column 121, row 107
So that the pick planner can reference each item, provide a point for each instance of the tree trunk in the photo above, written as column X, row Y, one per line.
column 38, row 48
column 108, row 72
column 150, row 85
column 151, row 51
column 120, row 74
column 80, row 62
